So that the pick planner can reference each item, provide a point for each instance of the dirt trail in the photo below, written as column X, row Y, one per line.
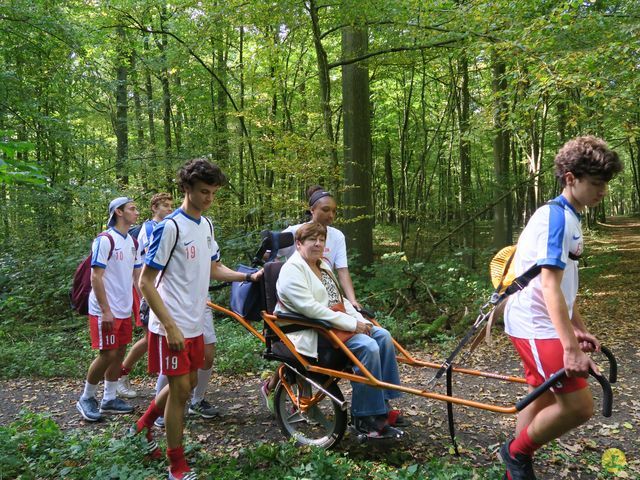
column 609, row 301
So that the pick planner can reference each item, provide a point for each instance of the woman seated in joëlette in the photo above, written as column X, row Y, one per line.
column 307, row 286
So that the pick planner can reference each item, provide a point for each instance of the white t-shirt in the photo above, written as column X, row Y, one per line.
column 552, row 233
column 118, row 272
column 185, row 285
column 335, row 249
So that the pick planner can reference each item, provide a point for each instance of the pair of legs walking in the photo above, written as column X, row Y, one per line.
column 554, row 413
column 111, row 345
column 181, row 372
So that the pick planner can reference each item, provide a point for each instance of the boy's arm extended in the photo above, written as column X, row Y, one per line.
column 576, row 362
column 175, row 339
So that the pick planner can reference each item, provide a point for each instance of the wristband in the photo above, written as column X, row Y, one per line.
column 247, row 277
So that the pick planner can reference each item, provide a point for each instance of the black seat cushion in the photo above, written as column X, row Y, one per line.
column 269, row 279
column 328, row 356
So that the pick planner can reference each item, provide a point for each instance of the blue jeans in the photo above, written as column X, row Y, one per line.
column 378, row 355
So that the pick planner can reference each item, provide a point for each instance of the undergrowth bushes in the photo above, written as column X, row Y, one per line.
column 34, row 446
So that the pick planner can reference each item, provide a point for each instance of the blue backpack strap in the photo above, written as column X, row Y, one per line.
column 173, row 249
column 210, row 224
column 148, row 229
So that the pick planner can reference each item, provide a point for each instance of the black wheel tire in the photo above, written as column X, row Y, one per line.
column 323, row 427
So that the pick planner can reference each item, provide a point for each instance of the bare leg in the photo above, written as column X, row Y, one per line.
column 177, row 394
column 112, row 373
column 100, row 364
column 526, row 416
column 568, row 411
column 136, row 353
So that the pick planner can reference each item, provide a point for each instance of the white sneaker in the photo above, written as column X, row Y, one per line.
column 124, row 388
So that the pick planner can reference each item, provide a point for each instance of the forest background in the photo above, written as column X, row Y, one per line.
column 435, row 124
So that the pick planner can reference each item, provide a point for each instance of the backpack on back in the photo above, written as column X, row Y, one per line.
column 81, row 287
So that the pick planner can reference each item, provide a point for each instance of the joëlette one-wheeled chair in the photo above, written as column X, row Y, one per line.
column 309, row 405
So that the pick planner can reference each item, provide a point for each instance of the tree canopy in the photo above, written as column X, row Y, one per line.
column 465, row 104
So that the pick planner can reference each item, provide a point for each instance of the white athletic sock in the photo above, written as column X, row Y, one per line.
column 109, row 390
column 89, row 391
column 161, row 383
column 201, row 387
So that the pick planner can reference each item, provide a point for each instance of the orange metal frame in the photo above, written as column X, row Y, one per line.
column 366, row 377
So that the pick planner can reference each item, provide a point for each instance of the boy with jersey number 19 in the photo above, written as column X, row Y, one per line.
column 176, row 346
column 543, row 320
column 115, row 269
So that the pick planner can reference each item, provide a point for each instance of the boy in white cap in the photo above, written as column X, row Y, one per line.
column 115, row 269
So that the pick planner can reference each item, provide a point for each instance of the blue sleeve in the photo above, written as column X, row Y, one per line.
column 163, row 239
column 100, row 252
column 553, row 253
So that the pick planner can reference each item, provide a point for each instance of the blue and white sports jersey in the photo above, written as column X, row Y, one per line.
column 553, row 232
column 185, row 284
column 118, row 272
column 145, row 236
column 335, row 249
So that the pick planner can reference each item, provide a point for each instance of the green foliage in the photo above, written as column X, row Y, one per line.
column 237, row 351
column 419, row 300
column 32, row 350
column 34, row 446
column 14, row 170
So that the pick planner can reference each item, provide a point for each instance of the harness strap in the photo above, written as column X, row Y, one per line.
column 451, row 421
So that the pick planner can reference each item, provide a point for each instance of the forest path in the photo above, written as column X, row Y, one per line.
column 610, row 302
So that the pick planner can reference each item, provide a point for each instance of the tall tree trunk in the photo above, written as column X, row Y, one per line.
column 324, row 82
column 241, row 176
column 466, row 200
column 148, row 86
column 222, row 137
column 388, row 173
column 405, row 158
column 166, row 99
column 179, row 116
column 121, row 122
column 503, row 223
column 357, row 146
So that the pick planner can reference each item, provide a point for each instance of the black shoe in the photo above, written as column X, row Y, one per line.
column 519, row 467
column 376, row 426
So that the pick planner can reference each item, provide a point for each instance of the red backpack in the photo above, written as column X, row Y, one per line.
column 81, row 288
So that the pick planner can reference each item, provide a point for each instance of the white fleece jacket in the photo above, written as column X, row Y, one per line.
column 301, row 291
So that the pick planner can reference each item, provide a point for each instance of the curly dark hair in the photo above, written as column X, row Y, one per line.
column 200, row 169
column 587, row 155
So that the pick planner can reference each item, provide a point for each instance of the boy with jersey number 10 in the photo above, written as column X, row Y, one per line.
column 543, row 320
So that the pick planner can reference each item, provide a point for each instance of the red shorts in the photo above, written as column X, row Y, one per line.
column 168, row 362
column 120, row 334
column 542, row 358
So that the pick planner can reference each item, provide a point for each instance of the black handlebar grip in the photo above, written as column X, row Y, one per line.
column 530, row 397
column 607, row 394
column 366, row 313
column 613, row 364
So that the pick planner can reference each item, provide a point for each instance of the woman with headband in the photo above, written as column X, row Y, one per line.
column 322, row 209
